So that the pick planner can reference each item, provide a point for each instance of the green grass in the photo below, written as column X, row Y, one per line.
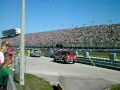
column 43, row 53
column 101, row 54
column 33, row 82
column 115, row 87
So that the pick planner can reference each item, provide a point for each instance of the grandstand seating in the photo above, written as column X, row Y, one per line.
column 90, row 36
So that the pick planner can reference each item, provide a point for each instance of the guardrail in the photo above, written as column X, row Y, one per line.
column 110, row 64
column 16, row 64
column 10, row 83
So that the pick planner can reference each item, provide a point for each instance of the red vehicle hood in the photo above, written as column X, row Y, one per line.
column 72, row 57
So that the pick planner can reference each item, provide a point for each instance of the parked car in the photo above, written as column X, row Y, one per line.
column 65, row 56
column 35, row 53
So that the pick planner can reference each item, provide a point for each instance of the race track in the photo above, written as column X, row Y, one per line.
column 72, row 76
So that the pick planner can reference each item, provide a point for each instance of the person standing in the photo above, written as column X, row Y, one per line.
column 5, row 71
column 5, row 64
column 2, row 51
column 10, row 50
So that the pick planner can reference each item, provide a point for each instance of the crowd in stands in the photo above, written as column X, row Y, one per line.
column 90, row 36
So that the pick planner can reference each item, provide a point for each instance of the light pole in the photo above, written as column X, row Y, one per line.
column 22, row 57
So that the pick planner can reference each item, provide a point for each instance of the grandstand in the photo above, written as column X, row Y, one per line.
column 99, row 36
column 11, row 32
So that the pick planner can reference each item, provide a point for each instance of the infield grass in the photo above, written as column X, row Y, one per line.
column 115, row 87
column 32, row 82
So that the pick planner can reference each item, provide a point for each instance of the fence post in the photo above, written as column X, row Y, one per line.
column 76, row 52
column 112, row 56
column 85, row 54
column 51, row 52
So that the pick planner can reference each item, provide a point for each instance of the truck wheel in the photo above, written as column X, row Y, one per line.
column 54, row 60
column 63, row 61
column 73, row 61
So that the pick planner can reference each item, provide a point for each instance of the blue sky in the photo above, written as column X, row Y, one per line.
column 46, row 15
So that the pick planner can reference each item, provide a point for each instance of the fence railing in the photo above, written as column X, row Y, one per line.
column 17, row 64
column 110, row 64
column 10, row 83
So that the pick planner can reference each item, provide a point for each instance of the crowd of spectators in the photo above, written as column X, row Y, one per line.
column 89, row 36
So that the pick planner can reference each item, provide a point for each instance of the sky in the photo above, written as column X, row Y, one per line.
column 47, row 15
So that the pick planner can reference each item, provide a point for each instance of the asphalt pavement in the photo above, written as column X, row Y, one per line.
column 72, row 76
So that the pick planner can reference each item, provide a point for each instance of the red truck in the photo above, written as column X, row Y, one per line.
column 65, row 56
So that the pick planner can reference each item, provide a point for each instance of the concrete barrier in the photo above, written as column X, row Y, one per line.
column 56, row 86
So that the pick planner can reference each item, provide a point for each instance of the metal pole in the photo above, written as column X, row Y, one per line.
column 22, row 57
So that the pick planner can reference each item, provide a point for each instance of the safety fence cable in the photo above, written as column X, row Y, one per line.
column 96, row 68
